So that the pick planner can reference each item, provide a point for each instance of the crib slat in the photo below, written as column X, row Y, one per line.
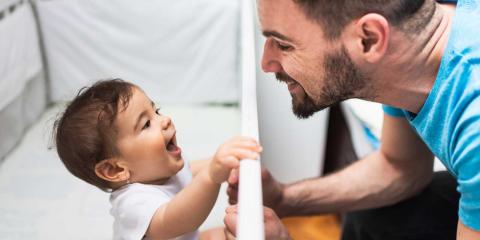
column 250, row 206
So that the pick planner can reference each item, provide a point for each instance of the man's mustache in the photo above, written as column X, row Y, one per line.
column 283, row 77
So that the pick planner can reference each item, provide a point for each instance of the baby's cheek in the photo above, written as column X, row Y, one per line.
column 158, row 142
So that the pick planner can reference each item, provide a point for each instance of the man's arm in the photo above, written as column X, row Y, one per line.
column 466, row 233
column 401, row 168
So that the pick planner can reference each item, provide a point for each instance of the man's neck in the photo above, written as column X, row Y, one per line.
column 410, row 71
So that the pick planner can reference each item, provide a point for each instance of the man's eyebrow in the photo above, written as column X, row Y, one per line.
column 276, row 34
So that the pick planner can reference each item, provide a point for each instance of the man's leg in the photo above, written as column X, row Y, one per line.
column 431, row 215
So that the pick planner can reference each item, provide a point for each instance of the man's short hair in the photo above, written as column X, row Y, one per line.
column 335, row 15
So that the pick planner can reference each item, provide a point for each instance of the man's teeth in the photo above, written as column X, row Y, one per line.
column 290, row 82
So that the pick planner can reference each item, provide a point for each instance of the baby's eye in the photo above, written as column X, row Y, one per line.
column 157, row 111
column 147, row 125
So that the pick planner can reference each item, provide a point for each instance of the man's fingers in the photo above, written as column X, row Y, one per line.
column 230, row 219
column 231, row 209
column 268, row 213
column 233, row 178
column 229, row 235
column 232, row 190
column 232, row 195
column 265, row 174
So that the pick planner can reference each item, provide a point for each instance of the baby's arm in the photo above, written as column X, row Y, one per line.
column 191, row 206
column 198, row 165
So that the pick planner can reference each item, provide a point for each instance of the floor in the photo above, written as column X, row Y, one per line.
column 326, row 227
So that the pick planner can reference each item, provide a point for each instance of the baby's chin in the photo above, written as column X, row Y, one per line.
column 177, row 165
column 181, row 163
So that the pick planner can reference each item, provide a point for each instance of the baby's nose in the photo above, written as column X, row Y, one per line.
column 166, row 121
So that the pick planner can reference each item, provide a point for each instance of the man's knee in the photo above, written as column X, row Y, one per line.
column 361, row 225
column 432, row 214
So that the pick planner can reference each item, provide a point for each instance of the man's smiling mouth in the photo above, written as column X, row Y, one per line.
column 285, row 78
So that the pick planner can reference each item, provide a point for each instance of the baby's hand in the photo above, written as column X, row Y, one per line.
column 229, row 154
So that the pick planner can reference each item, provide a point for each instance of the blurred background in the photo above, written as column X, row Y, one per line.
column 187, row 56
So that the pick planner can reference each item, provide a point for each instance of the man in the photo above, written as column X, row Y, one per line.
column 419, row 56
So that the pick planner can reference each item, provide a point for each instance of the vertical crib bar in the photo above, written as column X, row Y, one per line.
column 250, row 206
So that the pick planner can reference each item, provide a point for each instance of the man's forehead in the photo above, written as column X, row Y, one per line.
column 271, row 10
column 279, row 18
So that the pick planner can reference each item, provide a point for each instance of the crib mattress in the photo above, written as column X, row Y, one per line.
column 39, row 199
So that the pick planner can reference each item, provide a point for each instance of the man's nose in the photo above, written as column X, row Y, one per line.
column 165, row 122
column 269, row 59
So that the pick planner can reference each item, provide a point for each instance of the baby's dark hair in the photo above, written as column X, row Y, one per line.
column 85, row 133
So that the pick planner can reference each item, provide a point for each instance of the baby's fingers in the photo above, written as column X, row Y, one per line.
column 231, row 162
column 248, row 144
column 243, row 153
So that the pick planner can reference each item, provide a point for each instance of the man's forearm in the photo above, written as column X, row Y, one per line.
column 367, row 183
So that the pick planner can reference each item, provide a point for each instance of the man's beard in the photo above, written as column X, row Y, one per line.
column 341, row 81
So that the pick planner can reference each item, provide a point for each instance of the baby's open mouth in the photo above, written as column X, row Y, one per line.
column 172, row 147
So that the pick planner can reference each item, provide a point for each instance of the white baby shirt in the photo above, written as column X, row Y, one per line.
column 134, row 205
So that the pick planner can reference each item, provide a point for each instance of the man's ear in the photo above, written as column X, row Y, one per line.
column 371, row 33
column 112, row 170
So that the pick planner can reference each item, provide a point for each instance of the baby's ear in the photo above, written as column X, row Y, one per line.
column 112, row 170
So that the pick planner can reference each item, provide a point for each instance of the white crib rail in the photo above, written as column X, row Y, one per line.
column 250, row 207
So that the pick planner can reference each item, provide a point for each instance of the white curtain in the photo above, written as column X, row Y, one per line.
column 20, row 58
column 180, row 51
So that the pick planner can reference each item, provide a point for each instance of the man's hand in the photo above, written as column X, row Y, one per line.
column 272, row 191
column 228, row 157
column 274, row 228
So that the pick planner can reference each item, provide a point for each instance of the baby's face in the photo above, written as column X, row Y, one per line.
column 146, row 141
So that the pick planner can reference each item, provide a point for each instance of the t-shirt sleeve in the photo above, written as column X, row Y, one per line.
column 134, row 213
column 394, row 112
column 466, row 157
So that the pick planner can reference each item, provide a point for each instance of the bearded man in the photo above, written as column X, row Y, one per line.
column 421, row 59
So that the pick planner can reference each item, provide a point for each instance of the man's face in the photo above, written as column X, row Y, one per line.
column 318, row 72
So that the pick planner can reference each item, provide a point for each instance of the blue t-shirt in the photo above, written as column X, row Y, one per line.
column 449, row 121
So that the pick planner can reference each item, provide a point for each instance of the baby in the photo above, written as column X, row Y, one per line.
column 112, row 136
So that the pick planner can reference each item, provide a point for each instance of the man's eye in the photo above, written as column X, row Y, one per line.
column 147, row 125
column 157, row 111
column 283, row 47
